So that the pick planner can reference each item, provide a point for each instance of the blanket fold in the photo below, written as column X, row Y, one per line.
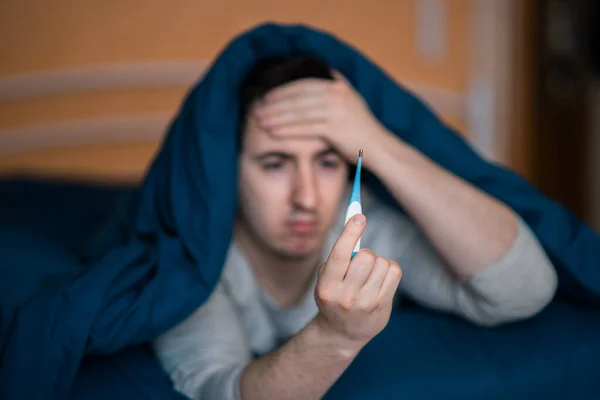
column 162, row 253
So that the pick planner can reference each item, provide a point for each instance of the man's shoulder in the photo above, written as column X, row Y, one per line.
column 235, row 290
column 237, row 278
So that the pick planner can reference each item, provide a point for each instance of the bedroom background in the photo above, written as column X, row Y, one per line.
column 88, row 88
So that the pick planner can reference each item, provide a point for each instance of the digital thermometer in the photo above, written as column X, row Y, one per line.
column 355, row 206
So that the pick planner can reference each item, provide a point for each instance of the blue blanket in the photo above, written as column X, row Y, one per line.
column 160, row 256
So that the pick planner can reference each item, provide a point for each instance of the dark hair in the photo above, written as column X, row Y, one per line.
column 269, row 73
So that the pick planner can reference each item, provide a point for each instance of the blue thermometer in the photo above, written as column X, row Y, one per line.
column 355, row 206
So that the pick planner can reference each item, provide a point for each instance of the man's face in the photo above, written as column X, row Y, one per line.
column 290, row 191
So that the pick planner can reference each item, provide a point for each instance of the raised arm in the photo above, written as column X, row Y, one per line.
column 515, row 286
column 476, row 249
column 467, row 227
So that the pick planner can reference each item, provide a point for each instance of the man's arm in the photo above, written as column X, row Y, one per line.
column 515, row 287
column 304, row 368
column 207, row 355
column 477, row 239
column 355, row 298
column 469, row 228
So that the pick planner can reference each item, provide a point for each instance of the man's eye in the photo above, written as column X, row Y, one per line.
column 330, row 163
column 273, row 165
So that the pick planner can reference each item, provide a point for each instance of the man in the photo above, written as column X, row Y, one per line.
column 292, row 309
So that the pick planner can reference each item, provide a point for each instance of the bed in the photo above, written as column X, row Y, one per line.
column 448, row 358
column 421, row 354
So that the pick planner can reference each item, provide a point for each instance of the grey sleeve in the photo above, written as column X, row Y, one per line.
column 517, row 286
column 206, row 354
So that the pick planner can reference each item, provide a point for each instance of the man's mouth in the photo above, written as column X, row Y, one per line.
column 303, row 227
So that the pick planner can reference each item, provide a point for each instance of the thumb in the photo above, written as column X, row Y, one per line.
column 335, row 267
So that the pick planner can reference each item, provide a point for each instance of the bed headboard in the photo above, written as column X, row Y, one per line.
column 106, row 122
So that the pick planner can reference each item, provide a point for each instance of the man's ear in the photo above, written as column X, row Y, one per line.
column 339, row 77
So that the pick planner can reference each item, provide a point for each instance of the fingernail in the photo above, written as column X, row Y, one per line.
column 359, row 219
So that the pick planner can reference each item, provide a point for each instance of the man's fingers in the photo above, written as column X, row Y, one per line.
column 293, row 116
column 303, row 101
column 357, row 274
column 297, row 88
column 300, row 130
column 390, row 282
column 301, row 109
column 373, row 285
column 339, row 259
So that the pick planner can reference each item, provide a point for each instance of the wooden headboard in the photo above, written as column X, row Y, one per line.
column 106, row 122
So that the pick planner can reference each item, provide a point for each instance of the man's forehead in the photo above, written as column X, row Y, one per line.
column 257, row 140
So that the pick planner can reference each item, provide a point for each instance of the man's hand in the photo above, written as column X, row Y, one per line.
column 355, row 301
column 332, row 110
column 355, row 296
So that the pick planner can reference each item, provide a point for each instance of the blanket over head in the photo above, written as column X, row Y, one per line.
column 162, row 254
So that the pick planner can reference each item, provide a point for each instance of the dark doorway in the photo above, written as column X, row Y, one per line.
column 561, row 69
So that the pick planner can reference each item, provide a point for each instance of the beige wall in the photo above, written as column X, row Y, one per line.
column 39, row 36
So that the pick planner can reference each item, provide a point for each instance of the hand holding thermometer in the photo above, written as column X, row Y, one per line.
column 355, row 206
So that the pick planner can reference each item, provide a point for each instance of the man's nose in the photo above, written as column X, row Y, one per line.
column 305, row 190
